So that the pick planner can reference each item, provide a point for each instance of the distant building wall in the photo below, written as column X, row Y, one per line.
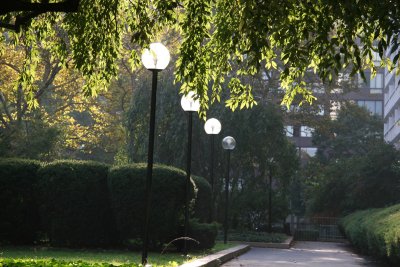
column 391, row 109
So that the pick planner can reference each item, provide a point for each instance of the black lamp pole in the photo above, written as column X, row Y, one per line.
column 188, row 173
column 211, row 218
column 270, row 201
column 149, row 176
column 228, row 143
column 227, row 199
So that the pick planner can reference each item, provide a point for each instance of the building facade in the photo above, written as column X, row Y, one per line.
column 368, row 94
column 392, row 109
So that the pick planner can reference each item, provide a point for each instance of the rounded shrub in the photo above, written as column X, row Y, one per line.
column 75, row 205
column 127, row 186
column 203, row 201
column 204, row 233
column 19, row 218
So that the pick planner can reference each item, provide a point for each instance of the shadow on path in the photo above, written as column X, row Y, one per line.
column 313, row 254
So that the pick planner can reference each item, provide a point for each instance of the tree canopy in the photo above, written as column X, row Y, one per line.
column 262, row 149
column 221, row 41
column 355, row 132
column 354, row 167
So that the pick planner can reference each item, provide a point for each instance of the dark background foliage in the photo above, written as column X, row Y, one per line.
column 354, row 168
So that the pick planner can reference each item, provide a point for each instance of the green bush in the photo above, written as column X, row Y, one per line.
column 19, row 218
column 127, row 186
column 204, row 233
column 203, row 202
column 75, row 205
column 375, row 232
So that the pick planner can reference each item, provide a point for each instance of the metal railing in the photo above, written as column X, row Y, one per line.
column 317, row 229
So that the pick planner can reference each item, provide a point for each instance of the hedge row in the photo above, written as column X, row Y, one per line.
column 19, row 219
column 86, row 204
column 375, row 232
column 127, row 185
column 74, row 204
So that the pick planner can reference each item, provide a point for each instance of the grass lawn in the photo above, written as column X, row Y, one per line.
column 115, row 257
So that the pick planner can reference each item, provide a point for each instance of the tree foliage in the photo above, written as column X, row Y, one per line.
column 354, row 168
column 354, row 132
column 293, row 36
column 64, row 120
column 259, row 135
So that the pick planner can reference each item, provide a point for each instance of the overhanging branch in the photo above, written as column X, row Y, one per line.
column 18, row 5
column 33, row 10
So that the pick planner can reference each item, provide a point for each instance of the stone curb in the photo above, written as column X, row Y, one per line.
column 285, row 245
column 216, row 259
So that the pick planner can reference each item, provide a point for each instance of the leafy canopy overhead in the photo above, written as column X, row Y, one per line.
column 222, row 41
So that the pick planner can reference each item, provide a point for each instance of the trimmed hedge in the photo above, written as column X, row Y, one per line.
column 84, row 204
column 75, row 206
column 203, row 202
column 19, row 219
column 375, row 232
column 127, row 185
column 204, row 233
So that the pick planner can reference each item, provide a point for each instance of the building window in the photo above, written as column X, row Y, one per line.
column 310, row 151
column 306, row 131
column 374, row 107
column 377, row 81
column 376, row 58
column 371, row 82
column 289, row 131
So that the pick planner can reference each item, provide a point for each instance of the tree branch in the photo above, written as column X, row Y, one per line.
column 19, row 5
column 49, row 81
column 34, row 10
column 8, row 26
column 67, row 105
column 44, row 87
column 2, row 62
column 4, row 103
column 64, row 84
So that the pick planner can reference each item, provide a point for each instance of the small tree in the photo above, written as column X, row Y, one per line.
column 354, row 167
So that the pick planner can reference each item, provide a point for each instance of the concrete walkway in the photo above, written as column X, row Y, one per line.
column 313, row 254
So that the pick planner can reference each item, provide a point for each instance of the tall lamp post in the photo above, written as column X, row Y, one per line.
column 212, row 128
column 155, row 59
column 190, row 105
column 228, row 143
column 270, row 161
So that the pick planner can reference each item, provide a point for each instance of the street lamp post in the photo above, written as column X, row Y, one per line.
column 212, row 128
column 155, row 59
column 228, row 143
column 190, row 105
column 271, row 161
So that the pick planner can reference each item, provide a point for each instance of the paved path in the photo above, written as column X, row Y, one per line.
column 313, row 254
